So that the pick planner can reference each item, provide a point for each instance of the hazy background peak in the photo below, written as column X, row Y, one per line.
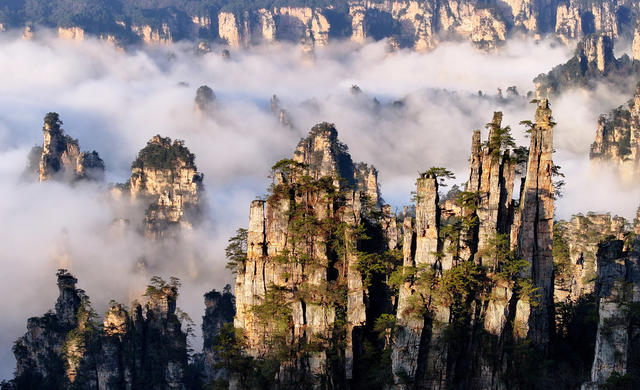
column 114, row 101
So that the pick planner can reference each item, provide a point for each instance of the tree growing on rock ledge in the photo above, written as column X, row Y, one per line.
column 60, row 158
column 164, row 176
column 135, row 348
column 325, row 259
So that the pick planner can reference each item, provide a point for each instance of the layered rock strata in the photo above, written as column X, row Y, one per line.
column 66, row 349
column 60, row 157
column 616, row 140
column 488, row 234
column 164, row 175
column 295, row 264
column 406, row 23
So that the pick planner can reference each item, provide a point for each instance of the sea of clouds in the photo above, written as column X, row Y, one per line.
column 115, row 100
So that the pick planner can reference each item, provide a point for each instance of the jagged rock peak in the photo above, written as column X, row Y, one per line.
column 68, row 300
column 536, row 226
column 51, row 354
column 61, row 158
column 68, row 350
column 165, row 173
column 292, row 239
column 616, row 140
column 324, row 156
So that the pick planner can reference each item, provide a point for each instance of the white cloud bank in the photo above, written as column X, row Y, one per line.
column 114, row 101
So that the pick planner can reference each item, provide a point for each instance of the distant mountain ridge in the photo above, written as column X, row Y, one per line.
column 420, row 25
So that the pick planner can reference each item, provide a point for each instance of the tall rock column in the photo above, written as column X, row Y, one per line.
column 219, row 311
column 302, row 249
column 618, row 289
column 536, row 230
column 61, row 158
column 356, row 292
column 495, row 186
column 410, row 337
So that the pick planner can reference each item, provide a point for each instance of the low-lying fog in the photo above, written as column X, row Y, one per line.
column 114, row 101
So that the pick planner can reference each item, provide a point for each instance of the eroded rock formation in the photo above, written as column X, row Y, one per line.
column 593, row 62
column 469, row 274
column 66, row 349
column 616, row 140
column 60, row 157
column 164, row 175
column 289, row 289
column 407, row 23
column 575, row 245
column 616, row 361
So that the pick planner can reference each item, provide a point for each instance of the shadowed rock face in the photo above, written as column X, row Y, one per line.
column 535, row 239
column 205, row 100
column 67, row 349
column 220, row 309
column 408, row 23
column 575, row 247
column 618, row 291
column 60, row 157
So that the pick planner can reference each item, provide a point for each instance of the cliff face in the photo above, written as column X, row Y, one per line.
column 60, row 157
column 476, row 271
column 67, row 349
column 408, row 23
column 42, row 354
column 535, row 239
column 300, row 288
column 220, row 308
column 575, row 244
column 618, row 290
column 617, row 139
column 594, row 62
column 468, row 279
column 165, row 176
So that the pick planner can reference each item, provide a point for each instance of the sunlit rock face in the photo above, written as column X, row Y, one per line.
column 321, row 183
column 164, row 175
column 411, row 24
column 593, row 63
column 616, row 140
column 575, row 248
column 283, row 300
column 442, row 240
column 60, row 156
